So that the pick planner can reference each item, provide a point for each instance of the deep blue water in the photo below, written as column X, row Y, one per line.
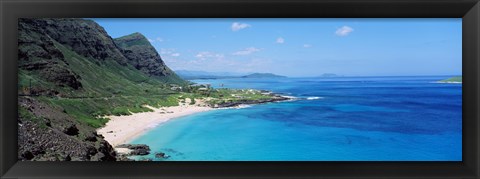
column 355, row 119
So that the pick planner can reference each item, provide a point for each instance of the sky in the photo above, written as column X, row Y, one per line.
column 303, row 47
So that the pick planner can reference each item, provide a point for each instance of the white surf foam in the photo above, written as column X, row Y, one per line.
column 314, row 98
column 242, row 106
column 289, row 97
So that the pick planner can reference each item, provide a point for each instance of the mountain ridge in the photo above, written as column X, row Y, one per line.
column 71, row 73
column 143, row 56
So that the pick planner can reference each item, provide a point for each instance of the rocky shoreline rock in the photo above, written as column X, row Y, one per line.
column 136, row 149
column 48, row 134
column 161, row 155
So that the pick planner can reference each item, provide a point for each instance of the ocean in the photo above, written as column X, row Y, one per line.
column 333, row 119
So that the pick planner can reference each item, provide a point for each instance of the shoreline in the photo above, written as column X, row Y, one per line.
column 123, row 129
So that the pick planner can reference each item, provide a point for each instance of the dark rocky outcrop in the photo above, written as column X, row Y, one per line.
column 71, row 130
column 161, row 155
column 41, row 142
column 92, row 137
column 140, row 152
column 27, row 155
column 137, row 149
column 107, row 151
column 123, row 157
column 146, row 159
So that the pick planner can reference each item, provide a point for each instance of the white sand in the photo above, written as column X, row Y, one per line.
column 122, row 129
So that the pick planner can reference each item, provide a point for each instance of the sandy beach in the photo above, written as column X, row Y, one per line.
column 122, row 129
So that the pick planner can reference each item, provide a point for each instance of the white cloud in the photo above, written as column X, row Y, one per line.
column 280, row 40
column 169, row 52
column 246, row 51
column 307, row 45
column 344, row 31
column 208, row 55
column 217, row 62
column 236, row 26
column 158, row 39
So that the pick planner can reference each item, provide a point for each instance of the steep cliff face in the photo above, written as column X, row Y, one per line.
column 80, row 74
column 143, row 56
column 85, row 37
column 37, row 53
column 52, row 52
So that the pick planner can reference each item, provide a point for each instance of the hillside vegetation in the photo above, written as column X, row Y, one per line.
column 72, row 75
column 87, row 85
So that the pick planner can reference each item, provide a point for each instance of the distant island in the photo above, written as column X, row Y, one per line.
column 191, row 75
column 263, row 75
column 329, row 75
column 455, row 79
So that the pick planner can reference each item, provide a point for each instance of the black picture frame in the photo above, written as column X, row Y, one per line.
column 469, row 10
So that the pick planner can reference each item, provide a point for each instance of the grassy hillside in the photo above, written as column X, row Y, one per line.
column 72, row 75
column 108, row 88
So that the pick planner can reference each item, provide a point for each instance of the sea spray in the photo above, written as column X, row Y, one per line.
column 314, row 98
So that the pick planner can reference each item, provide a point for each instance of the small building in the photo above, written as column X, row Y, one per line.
column 176, row 88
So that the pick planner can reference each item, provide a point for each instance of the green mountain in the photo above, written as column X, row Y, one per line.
column 263, row 75
column 71, row 73
column 61, row 54
column 143, row 56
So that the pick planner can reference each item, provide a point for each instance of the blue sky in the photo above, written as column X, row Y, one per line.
column 303, row 47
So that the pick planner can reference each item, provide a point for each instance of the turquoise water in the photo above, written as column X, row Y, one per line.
column 353, row 119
